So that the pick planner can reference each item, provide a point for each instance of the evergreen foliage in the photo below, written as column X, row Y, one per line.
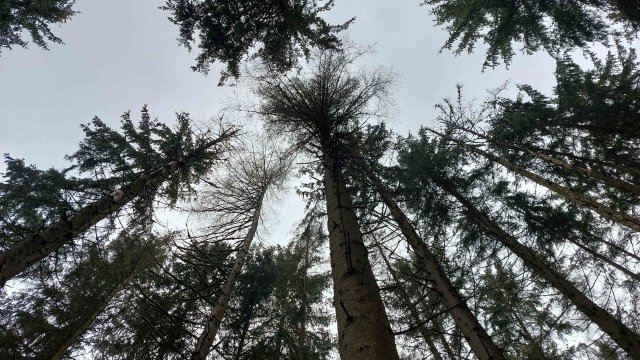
column 277, row 32
column 33, row 17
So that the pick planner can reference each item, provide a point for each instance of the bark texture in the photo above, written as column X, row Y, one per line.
column 364, row 332
column 480, row 342
column 625, row 337
column 35, row 247
column 212, row 325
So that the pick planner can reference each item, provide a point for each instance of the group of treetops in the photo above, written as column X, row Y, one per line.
column 510, row 230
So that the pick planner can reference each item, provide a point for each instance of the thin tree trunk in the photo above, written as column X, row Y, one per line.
column 243, row 335
column 626, row 338
column 577, row 198
column 279, row 336
column 82, row 324
column 20, row 256
column 594, row 174
column 444, row 341
column 479, row 341
column 208, row 335
column 597, row 255
column 302, row 329
column 406, row 302
column 364, row 332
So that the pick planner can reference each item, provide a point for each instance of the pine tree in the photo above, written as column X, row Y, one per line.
column 319, row 112
column 153, row 160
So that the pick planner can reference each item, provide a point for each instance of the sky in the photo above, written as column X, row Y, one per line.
column 121, row 54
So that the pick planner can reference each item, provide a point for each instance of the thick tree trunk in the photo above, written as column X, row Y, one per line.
column 626, row 338
column 364, row 332
column 475, row 334
column 572, row 196
column 594, row 174
column 406, row 302
column 208, row 335
column 34, row 248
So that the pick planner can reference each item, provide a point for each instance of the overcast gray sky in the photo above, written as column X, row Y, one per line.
column 121, row 54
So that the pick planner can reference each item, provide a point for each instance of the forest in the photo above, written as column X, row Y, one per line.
column 505, row 227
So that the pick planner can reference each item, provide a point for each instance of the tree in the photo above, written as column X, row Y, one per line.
column 551, row 26
column 168, row 161
column 420, row 152
column 276, row 31
column 49, row 320
column 33, row 17
column 319, row 112
column 239, row 200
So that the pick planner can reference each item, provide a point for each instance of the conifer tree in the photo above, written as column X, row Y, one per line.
column 146, row 163
column 319, row 112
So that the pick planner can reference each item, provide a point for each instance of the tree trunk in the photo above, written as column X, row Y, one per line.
column 605, row 259
column 302, row 329
column 83, row 323
column 208, row 335
column 594, row 174
column 243, row 335
column 626, row 338
column 577, row 198
column 364, row 332
column 475, row 334
column 34, row 248
column 406, row 302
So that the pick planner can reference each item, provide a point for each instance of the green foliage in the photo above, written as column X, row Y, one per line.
column 55, row 312
column 550, row 25
column 277, row 32
column 33, row 17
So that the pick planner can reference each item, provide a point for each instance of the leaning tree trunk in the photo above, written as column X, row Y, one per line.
column 208, row 335
column 25, row 253
column 606, row 260
column 572, row 196
column 594, row 174
column 480, row 342
column 364, row 332
column 406, row 302
column 625, row 337
column 82, row 324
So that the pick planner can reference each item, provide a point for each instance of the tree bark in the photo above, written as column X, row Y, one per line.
column 25, row 253
column 475, row 334
column 212, row 325
column 625, row 337
column 572, row 196
column 364, row 332
column 406, row 302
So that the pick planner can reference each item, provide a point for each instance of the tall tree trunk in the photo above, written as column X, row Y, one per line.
column 475, row 334
column 572, row 196
column 626, row 338
column 243, row 335
column 606, row 260
column 594, row 174
column 34, row 248
column 82, row 323
column 406, row 302
column 208, row 335
column 364, row 332
column 279, row 333
column 302, row 329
